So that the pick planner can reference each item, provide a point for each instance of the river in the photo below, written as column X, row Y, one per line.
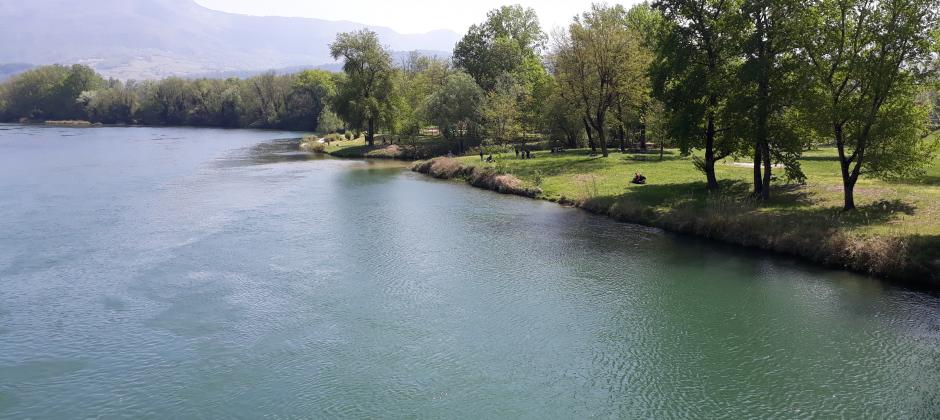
column 179, row 273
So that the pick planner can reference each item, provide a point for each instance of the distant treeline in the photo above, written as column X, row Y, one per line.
column 760, row 80
column 295, row 102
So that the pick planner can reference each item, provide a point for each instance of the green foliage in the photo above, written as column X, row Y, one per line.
column 502, row 111
column 864, row 96
column 697, row 59
column 296, row 101
column 597, row 64
column 420, row 77
column 48, row 93
column 366, row 97
column 503, row 44
column 455, row 108
column 117, row 103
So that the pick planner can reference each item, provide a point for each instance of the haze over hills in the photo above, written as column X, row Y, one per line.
column 142, row 39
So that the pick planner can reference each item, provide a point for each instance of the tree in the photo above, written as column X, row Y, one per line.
column 593, row 62
column 693, row 75
column 421, row 77
column 165, row 102
column 770, row 89
column 116, row 104
column 501, row 111
column 635, row 102
column 865, row 59
column 50, row 92
column 366, row 93
column 563, row 120
column 456, row 108
column 310, row 93
column 510, row 36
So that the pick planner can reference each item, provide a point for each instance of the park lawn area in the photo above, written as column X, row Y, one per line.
column 899, row 207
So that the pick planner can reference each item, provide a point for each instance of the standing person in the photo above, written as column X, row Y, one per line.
column 481, row 154
column 517, row 152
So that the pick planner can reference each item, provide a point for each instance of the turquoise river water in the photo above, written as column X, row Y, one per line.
column 181, row 273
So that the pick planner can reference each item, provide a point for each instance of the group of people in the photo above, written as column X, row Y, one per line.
column 488, row 159
column 638, row 178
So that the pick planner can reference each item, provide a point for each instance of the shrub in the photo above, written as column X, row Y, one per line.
column 313, row 145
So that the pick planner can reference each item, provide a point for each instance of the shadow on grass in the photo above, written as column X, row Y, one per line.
column 578, row 162
column 820, row 158
column 790, row 208
column 930, row 180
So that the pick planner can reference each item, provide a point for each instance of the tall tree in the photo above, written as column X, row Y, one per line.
column 693, row 74
column 309, row 96
column 770, row 88
column 366, row 93
column 510, row 36
column 501, row 111
column 594, row 61
column 865, row 58
column 422, row 76
column 456, row 108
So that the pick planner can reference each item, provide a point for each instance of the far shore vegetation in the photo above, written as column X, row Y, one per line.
column 808, row 127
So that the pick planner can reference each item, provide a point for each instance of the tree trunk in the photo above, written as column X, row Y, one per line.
column 643, row 136
column 370, row 136
column 758, row 180
column 710, row 153
column 848, row 180
column 763, row 115
column 590, row 135
column 849, row 187
column 623, row 138
column 768, row 168
column 601, row 134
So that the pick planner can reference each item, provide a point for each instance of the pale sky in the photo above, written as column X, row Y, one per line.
column 406, row 16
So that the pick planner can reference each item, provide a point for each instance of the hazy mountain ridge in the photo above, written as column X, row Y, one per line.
column 158, row 38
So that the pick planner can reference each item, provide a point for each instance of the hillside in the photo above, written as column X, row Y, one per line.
column 158, row 38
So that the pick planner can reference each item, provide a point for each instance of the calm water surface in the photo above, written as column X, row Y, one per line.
column 173, row 273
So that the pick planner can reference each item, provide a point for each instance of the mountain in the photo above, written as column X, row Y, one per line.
column 144, row 39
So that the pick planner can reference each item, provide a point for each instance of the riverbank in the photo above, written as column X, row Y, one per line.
column 408, row 148
column 894, row 234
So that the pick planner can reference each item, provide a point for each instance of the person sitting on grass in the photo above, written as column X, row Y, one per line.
column 490, row 159
column 639, row 179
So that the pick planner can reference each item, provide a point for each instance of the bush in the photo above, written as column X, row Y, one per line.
column 349, row 136
column 333, row 137
column 312, row 144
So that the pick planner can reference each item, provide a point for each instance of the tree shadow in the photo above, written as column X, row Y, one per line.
column 791, row 207
column 923, row 180
column 820, row 158
column 579, row 162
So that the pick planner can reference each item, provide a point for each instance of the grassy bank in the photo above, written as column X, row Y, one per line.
column 391, row 147
column 894, row 234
